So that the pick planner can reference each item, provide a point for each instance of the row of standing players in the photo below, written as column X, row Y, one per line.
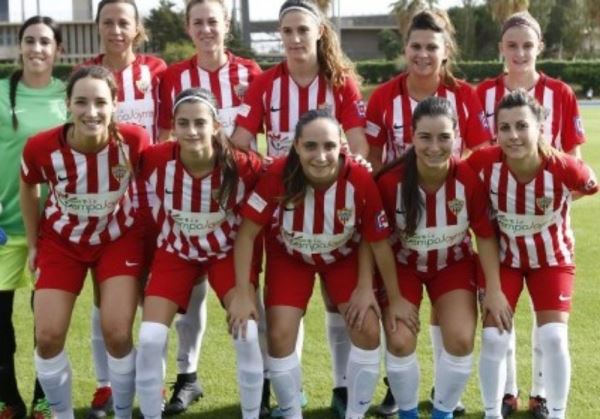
column 315, row 75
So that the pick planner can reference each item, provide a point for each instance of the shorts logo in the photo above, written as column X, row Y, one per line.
column 119, row 171
column 578, row 125
column 456, row 205
column 564, row 298
column 543, row 202
column 344, row 215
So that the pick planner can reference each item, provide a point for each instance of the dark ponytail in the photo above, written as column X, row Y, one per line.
column 294, row 180
column 15, row 77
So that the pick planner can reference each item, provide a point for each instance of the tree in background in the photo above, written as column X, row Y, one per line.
column 390, row 43
column 501, row 9
column 404, row 9
column 565, row 30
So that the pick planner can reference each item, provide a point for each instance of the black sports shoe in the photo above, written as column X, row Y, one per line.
column 538, row 408
column 388, row 406
column 265, row 403
column 459, row 410
column 339, row 401
column 186, row 391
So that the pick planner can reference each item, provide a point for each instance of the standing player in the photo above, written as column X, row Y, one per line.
column 429, row 50
column 199, row 183
column 121, row 32
column 520, row 44
column 227, row 76
column 88, row 223
column 31, row 100
column 322, row 213
column 530, row 187
column 433, row 199
column 315, row 75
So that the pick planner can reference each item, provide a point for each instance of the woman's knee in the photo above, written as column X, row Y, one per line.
column 459, row 343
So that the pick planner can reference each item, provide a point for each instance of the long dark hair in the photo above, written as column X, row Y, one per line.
column 294, row 180
column 16, row 76
column 102, row 73
column 411, row 200
column 223, row 149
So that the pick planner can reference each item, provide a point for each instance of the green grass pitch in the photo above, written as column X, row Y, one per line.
column 217, row 361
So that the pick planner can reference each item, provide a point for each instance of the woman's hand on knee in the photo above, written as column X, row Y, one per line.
column 405, row 312
column 495, row 308
column 362, row 300
column 240, row 308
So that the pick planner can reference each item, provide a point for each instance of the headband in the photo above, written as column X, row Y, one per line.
column 196, row 99
column 520, row 21
column 304, row 9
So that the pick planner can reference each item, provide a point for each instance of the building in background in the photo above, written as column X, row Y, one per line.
column 83, row 10
column 4, row 11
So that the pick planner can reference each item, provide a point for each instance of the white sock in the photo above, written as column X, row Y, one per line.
column 249, row 371
column 55, row 377
column 362, row 373
column 300, row 340
column 537, row 380
column 339, row 346
column 403, row 376
column 492, row 370
column 122, row 377
column 556, row 365
column 286, row 380
column 450, row 380
column 262, row 333
column 150, row 376
column 510, row 386
column 437, row 343
column 99, row 350
column 190, row 330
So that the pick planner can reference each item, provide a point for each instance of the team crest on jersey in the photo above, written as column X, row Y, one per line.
column 326, row 106
column 484, row 121
column 240, row 90
column 344, row 215
column 543, row 202
column 456, row 205
column 591, row 184
column 119, row 171
column 143, row 83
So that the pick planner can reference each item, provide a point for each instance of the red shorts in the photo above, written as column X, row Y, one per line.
column 63, row 265
column 550, row 288
column 173, row 277
column 458, row 276
column 289, row 281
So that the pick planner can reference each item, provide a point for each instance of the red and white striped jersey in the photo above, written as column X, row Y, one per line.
column 563, row 128
column 228, row 84
column 190, row 221
column 138, row 83
column 90, row 199
column 328, row 224
column 442, row 234
column 389, row 117
column 533, row 217
column 276, row 101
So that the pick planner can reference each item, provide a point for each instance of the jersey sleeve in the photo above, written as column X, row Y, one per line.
column 352, row 112
column 374, row 221
column 477, row 130
column 387, row 186
column 31, row 164
column 251, row 168
column 375, row 128
column 261, row 203
column 580, row 177
column 572, row 133
column 251, row 111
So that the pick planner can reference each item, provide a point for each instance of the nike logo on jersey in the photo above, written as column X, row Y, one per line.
column 131, row 264
column 168, row 192
column 562, row 297
column 398, row 126
column 62, row 179
column 273, row 109
column 400, row 212
column 493, row 192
